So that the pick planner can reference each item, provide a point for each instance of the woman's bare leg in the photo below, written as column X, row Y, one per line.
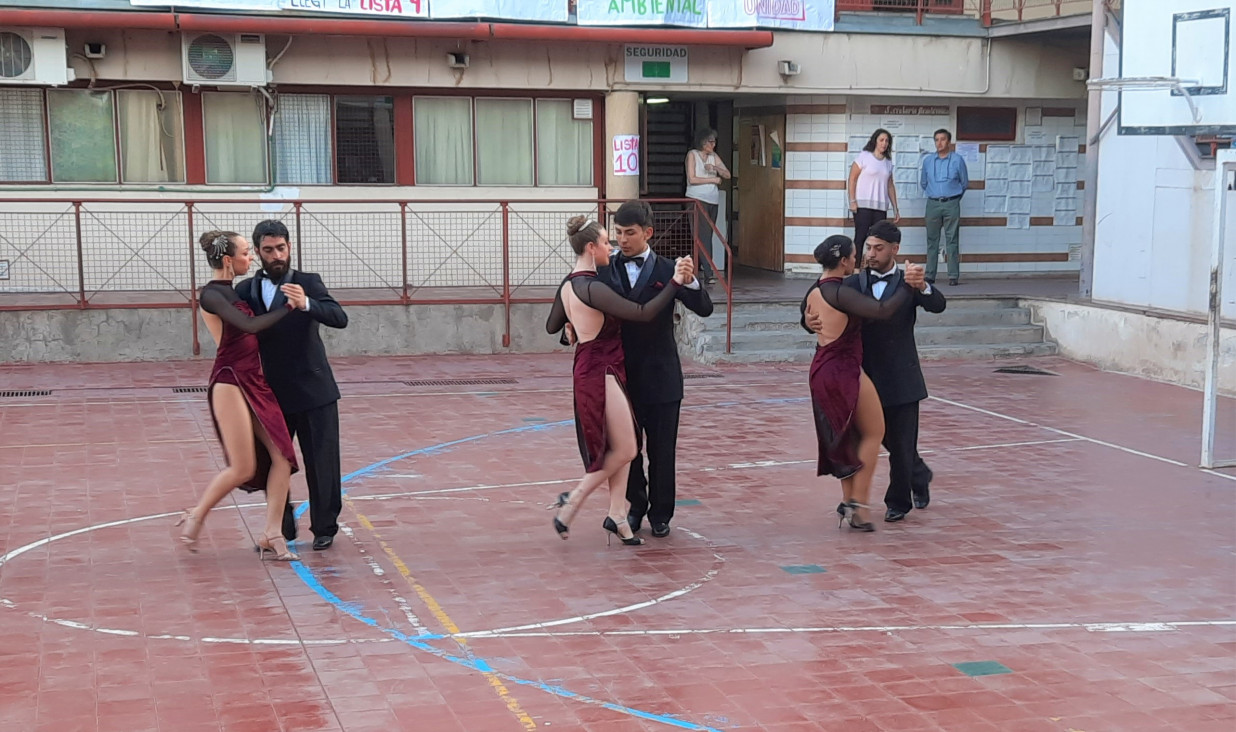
column 236, row 428
column 620, row 429
column 278, row 482
column 869, row 420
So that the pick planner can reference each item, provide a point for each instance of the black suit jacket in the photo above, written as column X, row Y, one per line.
column 654, row 373
column 293, row 356
column 890, row 356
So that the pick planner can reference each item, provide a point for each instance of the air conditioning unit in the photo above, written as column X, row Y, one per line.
column 224, row 59
column 34, row 56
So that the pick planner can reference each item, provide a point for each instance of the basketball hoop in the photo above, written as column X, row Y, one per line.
column 1151, row 83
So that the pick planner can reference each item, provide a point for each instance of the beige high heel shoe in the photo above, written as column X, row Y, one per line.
column 193, row 528
column 277, row 546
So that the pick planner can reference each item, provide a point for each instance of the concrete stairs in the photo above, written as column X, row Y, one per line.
column 970, row 328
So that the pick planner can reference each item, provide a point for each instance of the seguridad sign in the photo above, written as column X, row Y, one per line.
column 653, row 64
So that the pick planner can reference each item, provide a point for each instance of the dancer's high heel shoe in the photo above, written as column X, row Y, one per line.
column 612, row 527
column 278, row 547
column 851, row 514
column 193, row 528
column 562, row 502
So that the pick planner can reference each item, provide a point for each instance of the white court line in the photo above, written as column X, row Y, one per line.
column 1137, row 627
column 1076, row 436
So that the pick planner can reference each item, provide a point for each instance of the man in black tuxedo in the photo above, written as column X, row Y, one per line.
column 890, row 358
column 654, row 373
column 294, row 361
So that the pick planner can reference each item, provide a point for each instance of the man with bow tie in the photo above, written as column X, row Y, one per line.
column 654, row 373
column 890, row 358
column 294, row 361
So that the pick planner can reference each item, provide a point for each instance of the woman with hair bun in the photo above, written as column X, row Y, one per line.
column 849, row 422
column 591, row 313
column 247, row 418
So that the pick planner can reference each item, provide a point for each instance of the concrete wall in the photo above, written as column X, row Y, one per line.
column 1145, row 344
column 924, row 65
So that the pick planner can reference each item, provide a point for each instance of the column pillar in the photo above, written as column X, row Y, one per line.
column 621, row 118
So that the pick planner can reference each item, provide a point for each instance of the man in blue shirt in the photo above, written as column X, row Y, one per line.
column 944, row 179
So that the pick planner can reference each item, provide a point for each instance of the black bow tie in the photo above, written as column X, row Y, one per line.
column 637, row 260
column 883, row 278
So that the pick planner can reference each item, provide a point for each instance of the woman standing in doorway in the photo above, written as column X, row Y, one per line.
column 870, row 188
column 705, row 171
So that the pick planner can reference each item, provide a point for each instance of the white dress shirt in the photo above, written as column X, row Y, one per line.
column 636, row 263
column 877, row 290
column 270, row 287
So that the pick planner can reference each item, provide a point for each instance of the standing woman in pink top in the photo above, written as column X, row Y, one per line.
column 870, row 188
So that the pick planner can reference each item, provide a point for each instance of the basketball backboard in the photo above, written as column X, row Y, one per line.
column 1189, row 41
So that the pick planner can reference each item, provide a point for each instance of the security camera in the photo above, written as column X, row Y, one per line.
column 788, row 68
column 457, row 59
column 95, row 50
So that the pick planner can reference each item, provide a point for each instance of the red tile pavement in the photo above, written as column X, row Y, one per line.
column 1069, row 538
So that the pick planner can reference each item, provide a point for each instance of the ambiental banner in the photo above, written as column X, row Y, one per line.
column 691, row 13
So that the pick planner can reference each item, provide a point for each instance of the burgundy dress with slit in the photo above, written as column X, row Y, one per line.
column 600, row 357
column 239, row 363
column 836, row 373
column 834, row 380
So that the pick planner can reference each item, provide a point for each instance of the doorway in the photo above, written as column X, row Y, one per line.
column 761, row 205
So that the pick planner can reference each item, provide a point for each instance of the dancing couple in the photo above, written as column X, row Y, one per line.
column 270, row 381
column 603, row 290
column 865, row 378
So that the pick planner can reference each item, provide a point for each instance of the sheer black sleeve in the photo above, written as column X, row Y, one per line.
column 221, row 301
column 557, row 314
column 852, row 302
column 596, row 294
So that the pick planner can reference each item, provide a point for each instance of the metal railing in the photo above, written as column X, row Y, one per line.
column 988, row 11
column 109, row 253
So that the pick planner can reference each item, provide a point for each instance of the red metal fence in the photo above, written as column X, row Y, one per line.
column 107, row 253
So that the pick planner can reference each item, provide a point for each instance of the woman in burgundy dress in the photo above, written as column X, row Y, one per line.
column 591, row 311
column 247, row 418
column 849, row 422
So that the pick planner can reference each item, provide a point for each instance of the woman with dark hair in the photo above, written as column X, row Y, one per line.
column 849, row 422
column 591, row 311
column 247, row 418
column 705, row 170
column 871, row 190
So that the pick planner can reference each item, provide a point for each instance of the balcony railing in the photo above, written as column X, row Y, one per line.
column 987, row 11
column 90, row 254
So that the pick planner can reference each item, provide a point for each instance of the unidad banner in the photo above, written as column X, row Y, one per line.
column 692, row 13
column 808, row 15
column 549, row 11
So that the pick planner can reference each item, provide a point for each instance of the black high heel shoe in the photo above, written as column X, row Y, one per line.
column 562, row 502
column 612, row 527
column 850, row 513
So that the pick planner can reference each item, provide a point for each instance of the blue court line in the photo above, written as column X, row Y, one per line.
column 306, row 575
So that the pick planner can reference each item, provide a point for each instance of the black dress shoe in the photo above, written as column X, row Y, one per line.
column 322, row 542
column 660, row 530
column 841, row 509
column 892, row 515
column 635, row 522
column 922, row 499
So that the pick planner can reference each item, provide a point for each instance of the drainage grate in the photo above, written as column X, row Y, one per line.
column 459, row 382
column 1027, row 370
column 703, row 376
column 16, row 394
column 189, row 389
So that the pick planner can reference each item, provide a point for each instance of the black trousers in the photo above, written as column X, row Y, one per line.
column 863, row 219
column 907, row 473
column 704, row 220
column 653, row 495
column 318, row 432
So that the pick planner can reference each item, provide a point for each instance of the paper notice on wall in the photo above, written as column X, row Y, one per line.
column 905, row 175
column 1066, row 175
column 1043, row 183
column 997, row 186
column 856, row 143
column 993, row 204
column 1064, row 218
column 1019, row 188
column 625, row 154
column 1044, row 152
column 1018, row 205
column 1036, row 136
column 969, row 151
column 1067, row 143
column 1034, row 116
column 1018, row 221
column 1066, row 159
column 997, row 153
column 1044, row 167
column 774, row 158
column 1021, row 171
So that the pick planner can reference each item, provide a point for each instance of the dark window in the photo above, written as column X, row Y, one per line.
column 365, row 139
column 987, row 123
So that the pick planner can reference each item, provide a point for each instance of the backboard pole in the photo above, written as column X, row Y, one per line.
column 1225, row 165
column 1094, row 114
